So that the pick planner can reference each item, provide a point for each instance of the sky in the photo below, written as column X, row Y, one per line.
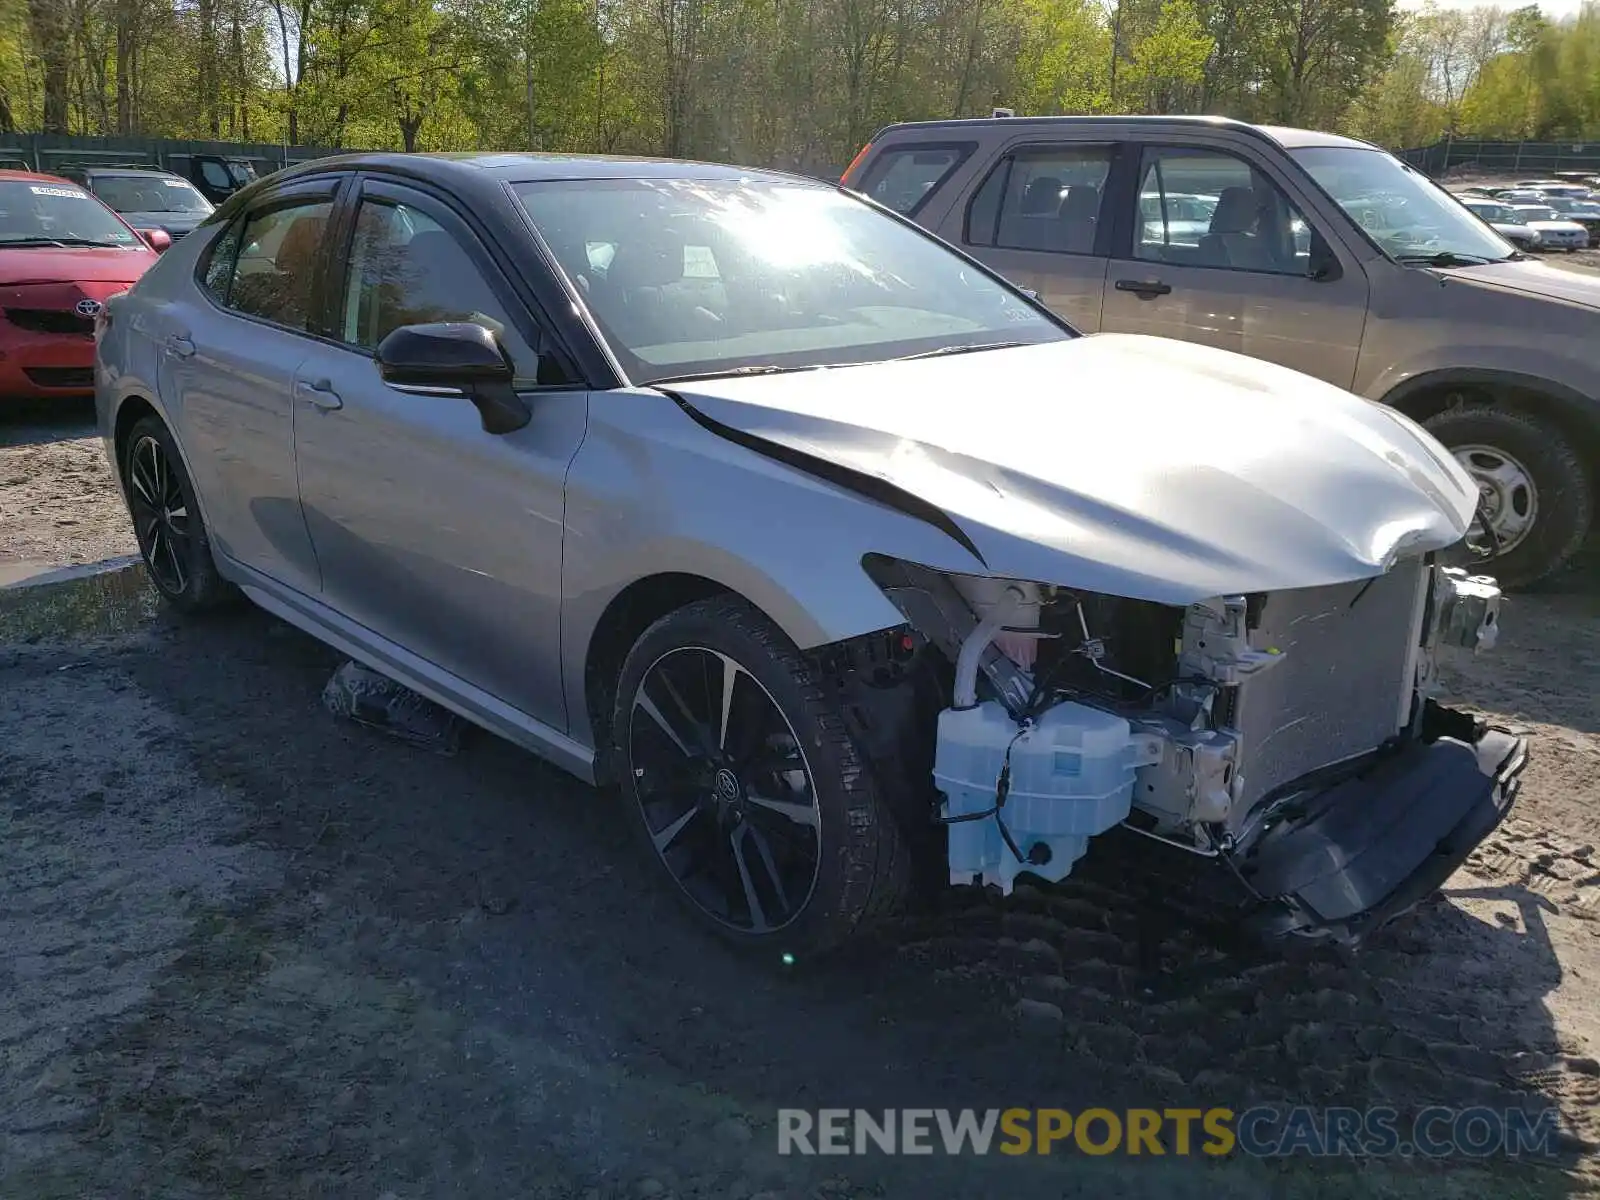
column 1554, row 9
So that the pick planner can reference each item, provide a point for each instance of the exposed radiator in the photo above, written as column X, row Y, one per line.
column 1339, row 690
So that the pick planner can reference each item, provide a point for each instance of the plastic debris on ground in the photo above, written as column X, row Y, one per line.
column 378, row 702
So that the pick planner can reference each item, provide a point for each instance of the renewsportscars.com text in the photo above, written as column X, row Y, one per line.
column 1261, row 1132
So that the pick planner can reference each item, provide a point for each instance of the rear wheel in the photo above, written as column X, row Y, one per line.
column 745, row 788
column 1534, row 488
column 166, row 520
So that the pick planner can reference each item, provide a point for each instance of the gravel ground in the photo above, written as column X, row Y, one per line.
column 253, row 951
column 58, row 505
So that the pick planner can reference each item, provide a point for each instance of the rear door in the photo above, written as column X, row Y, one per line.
column 1214, row 245
column 228, row 360
column 1036, row 217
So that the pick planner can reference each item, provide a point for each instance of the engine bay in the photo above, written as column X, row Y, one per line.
column 1063, row 714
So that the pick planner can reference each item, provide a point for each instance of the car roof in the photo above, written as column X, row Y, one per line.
column 136, row 171
column 530, row 167
column 1288, row 138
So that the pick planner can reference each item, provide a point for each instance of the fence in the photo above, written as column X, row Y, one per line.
column 49, row 152
column 1503, row 158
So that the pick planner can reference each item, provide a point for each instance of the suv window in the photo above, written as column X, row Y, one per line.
column 406, row 269
column 214, row 174
column 1041, row 199
column 269, row 270
column 1205, row 208
column 904, row 177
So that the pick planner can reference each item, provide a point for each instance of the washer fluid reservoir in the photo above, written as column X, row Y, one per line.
column 1072, row 774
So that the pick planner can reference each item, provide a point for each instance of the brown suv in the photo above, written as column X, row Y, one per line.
column 1319, row 252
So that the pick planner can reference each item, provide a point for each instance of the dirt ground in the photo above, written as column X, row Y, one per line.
column 252, row 951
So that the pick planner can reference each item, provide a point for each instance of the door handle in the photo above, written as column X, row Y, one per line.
column 1145, row 289
column 180, row 345
column 319, row 393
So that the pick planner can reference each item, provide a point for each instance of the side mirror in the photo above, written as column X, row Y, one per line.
column 456, row 358
column 1322, row 265
column 157, row 239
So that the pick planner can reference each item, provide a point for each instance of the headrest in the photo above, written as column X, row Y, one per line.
column 1042, row 195
column 1082, row 203
column 1235, row 211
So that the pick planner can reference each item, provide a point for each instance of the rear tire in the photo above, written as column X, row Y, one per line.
column 1499, row 445
column 172, row 536
column 727, row 775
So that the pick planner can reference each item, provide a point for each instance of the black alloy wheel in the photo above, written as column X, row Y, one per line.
column 167, row 524
column 745, row 786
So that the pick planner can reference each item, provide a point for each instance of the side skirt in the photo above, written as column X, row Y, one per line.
column 420, row 675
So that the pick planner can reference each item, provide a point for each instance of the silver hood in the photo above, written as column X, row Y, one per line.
column 1129, row 465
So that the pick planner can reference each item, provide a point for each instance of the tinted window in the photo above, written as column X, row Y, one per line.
column 903, row 177
column 1203, row 208
column 690, row 276
column 212, row 172
column 275, row 268
column 406, row 269
column 219, row 266
column 39, row 211
column 1042, row 199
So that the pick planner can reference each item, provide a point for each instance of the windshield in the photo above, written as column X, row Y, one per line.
column 149, row 193
column 689, row 277
column 1536, row 212
column 1404, row 212
column 32, row 212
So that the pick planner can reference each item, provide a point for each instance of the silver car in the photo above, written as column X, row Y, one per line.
column 844, row 562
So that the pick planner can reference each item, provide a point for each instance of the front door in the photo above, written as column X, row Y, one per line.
column 1036, row 220
column 1219, row 252
column 227, row 366
column 431, row 532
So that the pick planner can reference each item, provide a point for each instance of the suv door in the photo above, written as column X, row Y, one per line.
column 432, row 533
column 227, row 370
column 1037, row 219
column 1211, row 246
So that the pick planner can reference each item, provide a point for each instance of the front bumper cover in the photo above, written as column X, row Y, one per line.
column 1348, row 859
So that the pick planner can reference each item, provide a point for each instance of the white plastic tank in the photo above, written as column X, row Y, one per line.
column 1072, row 775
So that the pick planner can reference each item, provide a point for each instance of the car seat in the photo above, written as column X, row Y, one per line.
column 1231, row 241
column 1079, row 217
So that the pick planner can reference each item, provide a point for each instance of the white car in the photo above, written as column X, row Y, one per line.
column 1505, row 221
column 1554, row 232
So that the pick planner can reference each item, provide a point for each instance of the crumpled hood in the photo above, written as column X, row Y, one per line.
column 1130, row 465
column 1534, row 279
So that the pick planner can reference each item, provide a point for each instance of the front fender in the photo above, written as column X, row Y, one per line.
column 651, row 492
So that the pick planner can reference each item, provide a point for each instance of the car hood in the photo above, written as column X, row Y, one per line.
column 1130, row 465
column 80, row 264
column 1531, row 278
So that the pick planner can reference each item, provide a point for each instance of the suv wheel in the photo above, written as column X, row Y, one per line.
column 166, row 521
column 1536, row 491
column 744, row 786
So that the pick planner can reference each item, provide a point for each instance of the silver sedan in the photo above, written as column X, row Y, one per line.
column 838, row 560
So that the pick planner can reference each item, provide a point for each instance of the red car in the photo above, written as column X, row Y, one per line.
column 62, row 253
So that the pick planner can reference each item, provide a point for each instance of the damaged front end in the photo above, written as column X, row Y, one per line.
column 1290, row 735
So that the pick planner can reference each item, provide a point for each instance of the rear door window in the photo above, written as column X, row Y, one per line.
column 1043, row 198
column 903, row 177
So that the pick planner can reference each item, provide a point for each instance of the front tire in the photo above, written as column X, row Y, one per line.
column 1534, row 482
column 744, row 787
column 171, row 534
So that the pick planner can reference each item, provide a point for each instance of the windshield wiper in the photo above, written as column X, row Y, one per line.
column 973, row 348
column 737, row 372
column 58, row 241
column 1444, row 258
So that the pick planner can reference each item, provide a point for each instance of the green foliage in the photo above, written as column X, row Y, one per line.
column 795, row 83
